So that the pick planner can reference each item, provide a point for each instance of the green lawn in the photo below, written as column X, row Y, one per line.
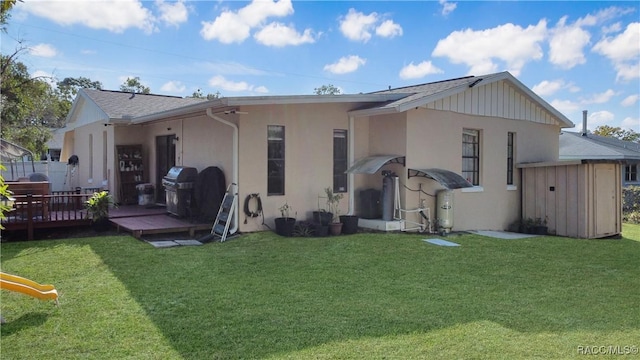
column 350, row 297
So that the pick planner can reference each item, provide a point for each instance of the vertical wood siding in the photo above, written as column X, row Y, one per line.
column 498, row 99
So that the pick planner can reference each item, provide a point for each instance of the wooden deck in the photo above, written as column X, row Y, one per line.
column 67, row 211
column 141, row 220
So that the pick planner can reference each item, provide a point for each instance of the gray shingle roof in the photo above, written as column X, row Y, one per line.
column 575, row 146
column 119, row 105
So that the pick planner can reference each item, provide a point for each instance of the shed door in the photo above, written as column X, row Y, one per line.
column 605, row 205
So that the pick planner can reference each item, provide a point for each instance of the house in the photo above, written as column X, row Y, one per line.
column 465, row 134
column 584, row 145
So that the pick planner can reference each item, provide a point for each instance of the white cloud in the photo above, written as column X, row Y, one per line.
column 565, row 106
column 389, row 29
column 420, row 70
column 174, row 13
column 43, row 50
column 227, row 28
column 447, row 7
column 261, row 89
column 88, row 52
column 357, row 26
column 613, row 28
column 235, row 27
column 220, row 82
column 279, row 35
column 566, row 44
column 44, row 76
column 631, row 124
column 479, row 49
column 546, row 87
column 599, row 98
column 598, row 118
column 114, row 17
column 624, row 51
column 345, row 65
column 630, row 100
column 174, row 87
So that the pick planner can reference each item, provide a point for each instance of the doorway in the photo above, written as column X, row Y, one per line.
column 165, row 160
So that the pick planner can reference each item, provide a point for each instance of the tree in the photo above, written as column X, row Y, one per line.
column 134, row 86
column 617, row 132
column 327, row 90
column 69, row 87
column 29, row 106
column 5, row 7
column 199, row 95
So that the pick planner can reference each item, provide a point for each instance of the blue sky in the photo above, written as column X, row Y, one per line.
column 578, row 55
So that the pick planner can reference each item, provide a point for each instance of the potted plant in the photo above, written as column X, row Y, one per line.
column 333, row 201
column 285, row 224
column 98, row 209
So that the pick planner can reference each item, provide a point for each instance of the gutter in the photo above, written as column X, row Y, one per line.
column 350, row 176
column 234, row 177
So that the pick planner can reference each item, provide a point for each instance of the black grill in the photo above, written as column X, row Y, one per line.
column 178, row 186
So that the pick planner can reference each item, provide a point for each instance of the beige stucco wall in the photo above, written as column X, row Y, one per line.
column 308, row 157
column 95, row 168
column 434, row 140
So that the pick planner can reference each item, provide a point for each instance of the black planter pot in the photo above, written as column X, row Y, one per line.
column 350, row 224
column 540, row 230
column 320, row 230
column 101, row 225
column 322, row 217
column 285, row 226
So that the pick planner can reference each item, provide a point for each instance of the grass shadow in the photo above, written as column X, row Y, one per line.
column 261, row 295
column 28, row 320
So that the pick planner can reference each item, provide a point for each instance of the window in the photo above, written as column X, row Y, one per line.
column 510, row 139
column 631, row 172
column 91, row 156
column 339, row 161
column 275, row 160
column 471, row 156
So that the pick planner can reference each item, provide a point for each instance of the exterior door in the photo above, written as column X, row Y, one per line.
column 605, row 200
column 165, row 160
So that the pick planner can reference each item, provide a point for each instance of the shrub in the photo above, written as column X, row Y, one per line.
column 630, row 198
column 631, row 204
column 632, row 217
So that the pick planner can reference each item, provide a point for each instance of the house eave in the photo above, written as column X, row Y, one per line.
column 228, row 103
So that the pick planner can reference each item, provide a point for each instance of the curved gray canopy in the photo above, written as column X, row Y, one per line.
column 371, row 164
column 446, row 178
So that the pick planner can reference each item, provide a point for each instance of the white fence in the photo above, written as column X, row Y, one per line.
column 61, row 176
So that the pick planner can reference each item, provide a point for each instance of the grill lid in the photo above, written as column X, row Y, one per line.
column 181, row 174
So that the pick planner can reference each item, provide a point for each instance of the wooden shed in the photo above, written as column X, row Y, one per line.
column 578, row 198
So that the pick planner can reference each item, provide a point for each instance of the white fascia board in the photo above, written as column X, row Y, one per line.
column 312, row 99
column 225, row 103
column 201, row 106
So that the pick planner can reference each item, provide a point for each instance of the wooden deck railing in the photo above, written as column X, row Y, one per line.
column 59, row 209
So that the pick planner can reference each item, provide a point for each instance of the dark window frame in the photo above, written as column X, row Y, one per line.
column 631, row 173
column 471, row 156
column 510, row 156
column 340, row 160
column 275, row 160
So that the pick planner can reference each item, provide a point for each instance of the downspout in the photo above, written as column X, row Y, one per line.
column 350, row 177
column 234, row 177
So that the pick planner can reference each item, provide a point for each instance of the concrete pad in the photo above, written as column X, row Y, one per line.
column 440, row 242
column 502, row 234
column 163, row 244
column 188, row 242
